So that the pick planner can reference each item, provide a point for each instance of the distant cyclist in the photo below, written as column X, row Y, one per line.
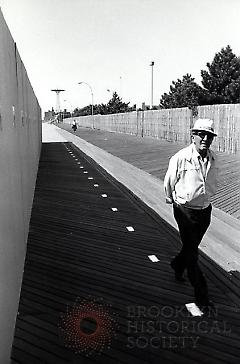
column 74, row 126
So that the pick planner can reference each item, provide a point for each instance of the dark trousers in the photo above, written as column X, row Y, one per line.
column 192, row 226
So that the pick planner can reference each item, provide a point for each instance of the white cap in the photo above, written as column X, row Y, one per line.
column 204, row 125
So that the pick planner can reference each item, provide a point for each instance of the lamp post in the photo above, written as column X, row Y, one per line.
column 151, row 104
column 80, row 83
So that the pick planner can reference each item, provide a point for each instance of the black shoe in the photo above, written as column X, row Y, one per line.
column 178, row 275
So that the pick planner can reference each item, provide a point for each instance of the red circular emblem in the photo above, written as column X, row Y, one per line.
column 88, row 326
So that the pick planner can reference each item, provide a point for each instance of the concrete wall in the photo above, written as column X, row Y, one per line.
column 20, row 144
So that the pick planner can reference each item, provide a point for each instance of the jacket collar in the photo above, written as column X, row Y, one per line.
column 192, row 152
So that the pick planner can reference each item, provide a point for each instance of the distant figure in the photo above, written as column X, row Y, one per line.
column 189, row 183
column 74, row 126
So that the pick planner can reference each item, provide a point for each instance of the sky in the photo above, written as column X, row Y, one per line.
column 109, row 45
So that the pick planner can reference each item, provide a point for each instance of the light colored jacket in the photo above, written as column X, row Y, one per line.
column 186, row 183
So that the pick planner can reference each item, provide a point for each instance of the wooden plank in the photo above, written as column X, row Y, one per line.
column 77, row 247
column 226, row 253
column 152, row 155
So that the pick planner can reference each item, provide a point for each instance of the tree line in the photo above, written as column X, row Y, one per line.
column 114, row 106
column 220, row 85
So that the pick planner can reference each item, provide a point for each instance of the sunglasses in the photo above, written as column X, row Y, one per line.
column 202, row 134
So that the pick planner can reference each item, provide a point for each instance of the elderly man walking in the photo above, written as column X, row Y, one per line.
column 189, row 183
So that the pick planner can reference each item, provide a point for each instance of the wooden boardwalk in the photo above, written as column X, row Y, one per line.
column 152, row 155
column 80, row 249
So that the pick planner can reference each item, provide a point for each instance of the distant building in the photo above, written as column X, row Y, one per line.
column 49, row 115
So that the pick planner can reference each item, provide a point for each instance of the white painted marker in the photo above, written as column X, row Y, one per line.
column 194, row 309
column 129, row 228
column 153, row 258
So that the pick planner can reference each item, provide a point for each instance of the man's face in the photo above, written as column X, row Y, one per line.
column 202, row 140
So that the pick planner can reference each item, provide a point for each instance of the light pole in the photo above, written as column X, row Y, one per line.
column 120, row 85
column 80, row 83
column 70, row 107
column 151, row 104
